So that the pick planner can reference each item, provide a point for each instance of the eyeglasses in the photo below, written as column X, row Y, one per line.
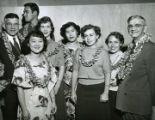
column 136, row 26
column 10, row 24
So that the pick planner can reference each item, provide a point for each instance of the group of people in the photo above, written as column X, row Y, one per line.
column 41, row 79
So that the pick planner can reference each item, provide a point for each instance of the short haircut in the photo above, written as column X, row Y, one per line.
column 136, row 16
column 11, row 15
column 89, row 26
column 117, row 35
column 67, row 25
column 25, row 47
column 46, row 19
column 33, row 7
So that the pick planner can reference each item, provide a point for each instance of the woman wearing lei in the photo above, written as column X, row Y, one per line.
column 70, row 33
column 34, row 79
column 92, row 74
column 55, row 55
column 114, row 41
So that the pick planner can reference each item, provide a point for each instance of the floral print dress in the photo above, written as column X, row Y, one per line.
column 69, row 53
column 37, row 83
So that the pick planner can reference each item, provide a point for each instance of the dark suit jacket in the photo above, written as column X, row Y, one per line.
column 6, row 60
column 136, row 93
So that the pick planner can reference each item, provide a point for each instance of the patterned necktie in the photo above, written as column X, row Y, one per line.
column 16, row 45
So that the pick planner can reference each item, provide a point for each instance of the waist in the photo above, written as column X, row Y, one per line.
column 88, row 81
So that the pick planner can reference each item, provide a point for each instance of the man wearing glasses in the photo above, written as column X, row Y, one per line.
column 9, row 52
column 136, row 93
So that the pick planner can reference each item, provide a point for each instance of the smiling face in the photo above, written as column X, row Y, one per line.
column 36, row 44
column 71, row 34
column 136, row 27
column 114, row 44
column 12, row 26
column 90, row 37
column 46, row 29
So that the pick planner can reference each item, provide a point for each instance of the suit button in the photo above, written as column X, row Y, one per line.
column 125, row 93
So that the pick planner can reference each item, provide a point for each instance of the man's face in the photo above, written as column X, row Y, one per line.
column 12, row 26
column 28, row 14
column 136, row 27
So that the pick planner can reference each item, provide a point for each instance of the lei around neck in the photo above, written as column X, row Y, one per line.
column 93, row 60
column 131, row 55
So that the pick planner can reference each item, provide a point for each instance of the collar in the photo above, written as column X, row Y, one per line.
column 10, row 38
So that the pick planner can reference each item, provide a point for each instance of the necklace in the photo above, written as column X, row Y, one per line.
column 133, row 53
column 32, row 76
column 93, row 60
column 56, row 51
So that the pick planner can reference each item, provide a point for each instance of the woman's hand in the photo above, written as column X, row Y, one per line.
column 104, row 97
column 26, row 115
column 74, row 97
column 54, row 108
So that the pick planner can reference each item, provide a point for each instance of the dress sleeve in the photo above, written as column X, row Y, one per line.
column 53, row 79
column 20, row 76
column 60, row 58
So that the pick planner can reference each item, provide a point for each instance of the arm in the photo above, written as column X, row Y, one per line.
column 21, row 97
column 52, row 96
column 150, row 58
column 60, row 77
column 107, row 72
column 75, row 77
column 153, row 113
column 59, row 61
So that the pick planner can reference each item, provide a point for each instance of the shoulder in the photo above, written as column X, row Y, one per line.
column 2, row 38
column 150, row 45
column 103, row 51
column 21, row 62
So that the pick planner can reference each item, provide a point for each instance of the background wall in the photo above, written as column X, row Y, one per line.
column 110, row 17
column 69, row 2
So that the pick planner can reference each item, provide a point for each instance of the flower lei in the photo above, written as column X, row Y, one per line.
column 94, row 59
column 32, row 76
column 56, row 51
column 132, row 55
column 8, row 48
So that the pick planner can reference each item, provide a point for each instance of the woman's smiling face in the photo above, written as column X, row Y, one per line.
column 36, row 44
column 114, row 44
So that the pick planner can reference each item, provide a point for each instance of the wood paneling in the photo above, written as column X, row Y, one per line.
column 110, row 17
column 69, row 2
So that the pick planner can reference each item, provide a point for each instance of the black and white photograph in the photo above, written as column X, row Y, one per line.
column 77, row 60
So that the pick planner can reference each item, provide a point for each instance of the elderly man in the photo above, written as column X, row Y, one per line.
column 9, row 52
column 136, row 93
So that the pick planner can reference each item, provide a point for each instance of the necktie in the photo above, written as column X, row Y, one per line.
column 16, row 45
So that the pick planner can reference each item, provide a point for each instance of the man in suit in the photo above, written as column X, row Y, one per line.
column 136, row 93
column 9, row 53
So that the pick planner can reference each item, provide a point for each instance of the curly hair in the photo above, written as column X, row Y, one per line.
column 46, row 19
column 117, row 35
column 89, row 26
column 67, row 25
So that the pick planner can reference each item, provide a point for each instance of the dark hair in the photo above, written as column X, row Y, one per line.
column 120, row 37
column 25, row 47
column 46, row 19
column 11, row 15
column 117, row 35
column 89, row 26
column 33, row 7
column 67, row 25
column 136, row 16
